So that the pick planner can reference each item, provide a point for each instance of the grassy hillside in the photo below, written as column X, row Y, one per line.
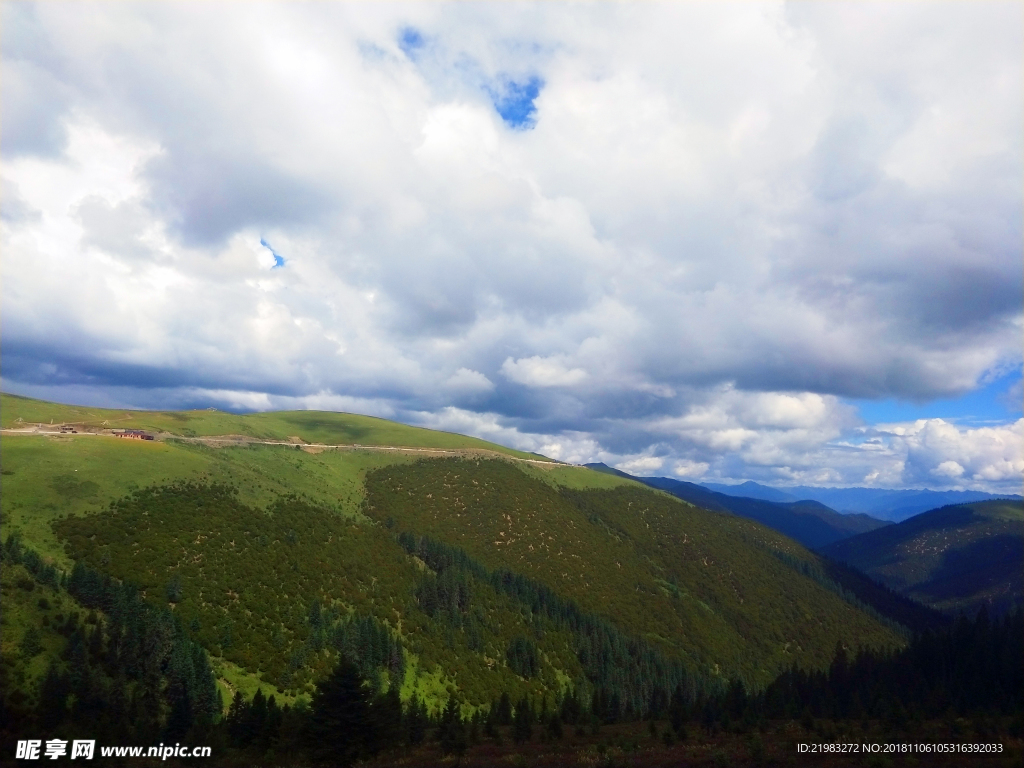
column 955, row 558
column 463, row 575
column 46, row 478
column 307, row 426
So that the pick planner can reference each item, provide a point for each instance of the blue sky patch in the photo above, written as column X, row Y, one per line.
column 514, row 102
column 410, row 40
column 278, row 258
column 995, row 402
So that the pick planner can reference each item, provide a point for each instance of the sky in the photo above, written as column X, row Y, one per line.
column 778, row 242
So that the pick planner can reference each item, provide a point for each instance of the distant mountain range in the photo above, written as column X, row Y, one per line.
column 811, row 523
column 882, row 503
column 956, row 558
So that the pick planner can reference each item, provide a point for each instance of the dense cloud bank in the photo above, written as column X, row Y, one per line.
column 673, row 237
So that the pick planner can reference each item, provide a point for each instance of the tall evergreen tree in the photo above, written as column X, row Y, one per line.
column 522, row 723
column 554, row 726
column 238, row 716
column 571, row 709
column 416, row 720
column 340, row 727
column 179, row 720
column 387, row 716
column 677, row 710
column 272, row 725
column 504, row 710
column 53, row 698
column 452, row 731
column 257, row 719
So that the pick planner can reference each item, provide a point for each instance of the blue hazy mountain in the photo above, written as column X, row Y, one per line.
column 752, row 490
column 811, row 523
column 882, row 503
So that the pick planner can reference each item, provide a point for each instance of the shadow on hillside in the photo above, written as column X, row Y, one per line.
column 345, row 431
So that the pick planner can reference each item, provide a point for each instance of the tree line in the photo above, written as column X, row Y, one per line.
column 973, row 668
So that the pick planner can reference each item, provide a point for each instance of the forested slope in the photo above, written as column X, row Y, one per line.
column 464, row 577
column 716, row 588
column 955, row 558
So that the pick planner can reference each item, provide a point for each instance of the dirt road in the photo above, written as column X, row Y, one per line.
column 52, row 430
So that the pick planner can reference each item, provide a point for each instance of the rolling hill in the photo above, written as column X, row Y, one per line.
column 300, row 427
column 447, row 565
column 955, row 558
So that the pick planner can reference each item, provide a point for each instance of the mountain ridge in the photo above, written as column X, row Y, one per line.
column 954, row 558
column 887, row 503
column 811, row 523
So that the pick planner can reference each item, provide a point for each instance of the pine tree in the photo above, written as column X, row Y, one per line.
column 555, row 726
column 387, row 716
column 53, row 698
column 491, row 721
column 571, row 708
column 118, row 706
column 340, row 727
column 522, row 724
column 238, row 715
column 677, row 709
column 452, row 731
column 179, row 720
column 96, row 643
column 416, row 720
column 257, row 719
column 206, row 703
column 504, row 711
column 735, row 700
column 272, row 725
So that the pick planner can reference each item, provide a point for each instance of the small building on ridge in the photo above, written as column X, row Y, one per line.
column 134, row 434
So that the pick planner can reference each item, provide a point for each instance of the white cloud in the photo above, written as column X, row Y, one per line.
column 567, row 447
column 964, row 455
column 691, row 470
column 759, row 424
column 465, row 380
column 725, row 220
column 540, row 371
column 948, row 469
column 641, row 465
